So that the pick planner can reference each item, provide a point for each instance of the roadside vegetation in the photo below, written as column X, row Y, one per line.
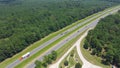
column 43, row 50
column 47, row 60
column 104, row 40
column 60, row 52
column 28, row 60
column 118, row 1
column 72, row 60
column 26, row 21
column 92, row 58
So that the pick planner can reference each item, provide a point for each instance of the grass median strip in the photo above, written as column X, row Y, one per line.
column 36, row 44
column 21, row 65
column 33, row 46
column 53, row 44
column 65, row 48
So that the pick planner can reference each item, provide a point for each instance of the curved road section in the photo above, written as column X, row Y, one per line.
column 66, row 40
column 61, row 43
column 16, row 62
column 86, row 64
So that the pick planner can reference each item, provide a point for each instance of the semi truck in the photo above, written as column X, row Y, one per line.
column 25, row 56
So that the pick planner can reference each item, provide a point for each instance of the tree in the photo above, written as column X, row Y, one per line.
column 78, row 65
column 109, row 57
column 104, row 40
column 30, row 23
column 94, row 51
column 38, row 64
column 86, row 45
column 66, row 63
column 49, row 59
column 54, row 55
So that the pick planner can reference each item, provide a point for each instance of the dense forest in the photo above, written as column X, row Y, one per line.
column 23, row 22
column 114, row 0
column 104, row 40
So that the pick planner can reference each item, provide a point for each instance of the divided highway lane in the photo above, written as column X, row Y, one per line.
column 66, row 40
column 12, row 65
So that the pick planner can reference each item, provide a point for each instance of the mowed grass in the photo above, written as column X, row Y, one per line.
column 42, row 50
column 28, row 60
column 38, row 43
column 71, row 60
column 21, row 65
column 91, row 58
column 65, row 48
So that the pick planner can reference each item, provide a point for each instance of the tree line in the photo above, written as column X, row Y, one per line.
column 117, row 1
column 104, row 40
column 24, row 22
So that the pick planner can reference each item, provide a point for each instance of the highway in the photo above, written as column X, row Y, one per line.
column 12, row 65
column 61, row 43
column 66, row 40
column 76, row 45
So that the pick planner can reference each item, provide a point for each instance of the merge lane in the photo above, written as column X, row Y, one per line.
column 12, row 65
column 62, row 43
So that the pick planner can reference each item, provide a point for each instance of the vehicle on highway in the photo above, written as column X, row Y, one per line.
column 24, row 56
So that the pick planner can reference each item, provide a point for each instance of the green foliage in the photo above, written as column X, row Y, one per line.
column 105, row 40
column 66, row 63
column 86, row 45
column 54, row 55
column 47, row 60
column 94, row 52
column 22, row 22
column 117, row 1
column 38, row 64
column 78, row 65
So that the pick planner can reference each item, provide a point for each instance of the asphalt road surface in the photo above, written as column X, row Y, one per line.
column 63, row 42
column 66, row 40
column 12, row 65
column 86, row 64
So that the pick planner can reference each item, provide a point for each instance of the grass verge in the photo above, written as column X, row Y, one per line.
column 72, row 60
column 25, row 62
column 45, row 49
column 36, row 44
column 91, row 58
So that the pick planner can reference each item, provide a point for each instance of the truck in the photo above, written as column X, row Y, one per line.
column 24, row 56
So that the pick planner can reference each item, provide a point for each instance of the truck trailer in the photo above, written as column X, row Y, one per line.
column 25, row 56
